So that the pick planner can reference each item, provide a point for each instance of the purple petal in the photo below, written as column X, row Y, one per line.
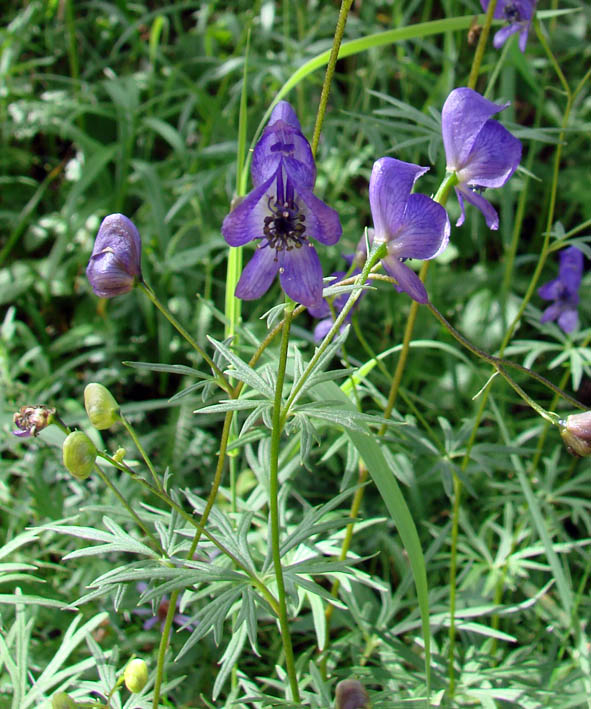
column 499, row 9
column 21, row 434
column 120, row 235
column 494, row 157
column 321, row 309
column 278, row 143
column 300, row 274
column 283, row 111
column 107, row 275
column 571, row 268
column 258, row 274
column 389, row 189
column 504, row 33
column 322, row 222
column 551, row 313
column 568, row 319
column 246, row 221
column 408, row 281
column 322, row 328
column 551, row 290
column 478, row 201
column 151, row 622
column 463, row 115
column 424, row 231
column 523, row 41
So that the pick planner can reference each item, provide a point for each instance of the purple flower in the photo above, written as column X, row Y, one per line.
column 479, row 150
column 412, row 225
column 115, row 262
column 179, row 618
column 283, row 214
column 564, row 290
column 518, row 13
column 29, row 420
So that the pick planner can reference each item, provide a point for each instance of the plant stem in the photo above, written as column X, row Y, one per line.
column 129, row 428
column 330, row 67
column 477, row 61
column 276, row 430
column 219, row 375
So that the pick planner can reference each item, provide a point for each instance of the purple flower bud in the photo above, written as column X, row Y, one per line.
column 115, row 263
column 576, row 433
column 478, row 149
column 31, row 419
column 351, row 694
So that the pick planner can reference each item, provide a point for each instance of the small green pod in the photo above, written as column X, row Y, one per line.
column 79, row 454
column 136, row 675
column 101, row 407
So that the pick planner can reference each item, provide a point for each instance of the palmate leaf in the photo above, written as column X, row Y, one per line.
column 371, row 454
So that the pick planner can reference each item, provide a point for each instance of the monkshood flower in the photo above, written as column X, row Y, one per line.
column 351, row 694
column 518, row 13
column 322, row 310
column 478, row 149
column 115, row 263
column 564, row 291
column 411, row 225
column 282, row 214
column 179, row 618
column 576, row 433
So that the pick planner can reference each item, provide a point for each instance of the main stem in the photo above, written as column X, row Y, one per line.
column 276, row 431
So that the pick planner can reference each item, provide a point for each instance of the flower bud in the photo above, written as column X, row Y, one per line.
column 576, row 433
column 136, row 675
column 119, row 455
column 115, row 262
column 351, row 694
column 62, row 701
column 101, row 407
column 79, row 454
column 31, row 419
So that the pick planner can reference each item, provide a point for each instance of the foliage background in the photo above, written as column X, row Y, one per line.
column 133, row 107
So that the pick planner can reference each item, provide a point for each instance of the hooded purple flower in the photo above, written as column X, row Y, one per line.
column 479, row 150
column 283, row 214
column 412, row 225
column 564, row 291
column 518, row 13
column 115, row 262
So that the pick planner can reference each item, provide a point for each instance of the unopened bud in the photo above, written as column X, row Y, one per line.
column 136, row 675
column 351, row 694
column 29, row 420
column 101, row 407
column 119, row 455
column 576, row 433
column 79, row 454
column 62, row 701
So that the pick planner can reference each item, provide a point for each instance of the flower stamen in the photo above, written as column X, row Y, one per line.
column 284, row 229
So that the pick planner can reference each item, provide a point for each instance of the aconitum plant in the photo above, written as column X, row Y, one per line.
column 412, row 226
column 282, row 215
column 518, row 14
column 564, row 291
column 479, row 150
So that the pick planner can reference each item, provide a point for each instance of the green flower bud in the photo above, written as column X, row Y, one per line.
column 351, row 694
column 101, row 407
column 119, row 455
column 136, row 675
column 62, row 701
column 576, row 433
column 79, row 454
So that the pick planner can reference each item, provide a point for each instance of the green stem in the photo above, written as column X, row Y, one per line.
column 221, row 379
column 330, row 67
column 477, row 61
column 276, row 430
column 140, row 448
column 105, row 478
column 372, row 258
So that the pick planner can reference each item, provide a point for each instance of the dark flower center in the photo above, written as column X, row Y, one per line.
column 512, row 13
column 284, row 229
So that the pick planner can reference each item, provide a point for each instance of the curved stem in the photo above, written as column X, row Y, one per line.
column 219, row 375
column 330, row 67
column 129, row 428
column 276, row 430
